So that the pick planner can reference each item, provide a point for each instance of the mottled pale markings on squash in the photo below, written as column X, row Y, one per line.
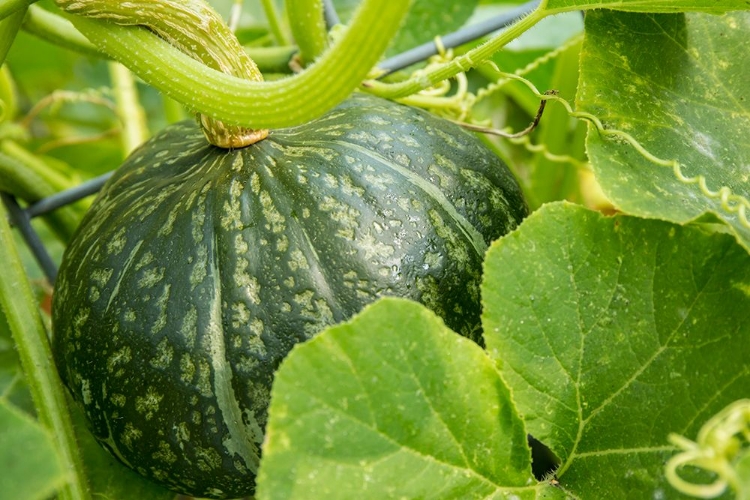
column 123, row 272
column 276, row 221
column 102, row 276
column 189, row 328
column 118, row 399
column 117, row 243
column 200, row 267
column 163, row 355
column 86, row 391
column 151, row 277
column 187, row 369
column 445, row 180
column 165, row 453
column 93, row 294
column 297, row 261
column 232, row 217
column 457, row 250
column 468, row 230
column 245, row 281
column 162, row 303
column 373, row 248
column 130, row 434
column 236, row 442
column 121, row 356
column 148, row 404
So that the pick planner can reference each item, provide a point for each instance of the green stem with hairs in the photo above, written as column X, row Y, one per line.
column 8, row 7
column 308, row 27
column 29, row 178
column 8, row 30
column 274, row 24
column 30, row 336
column 458, row 65
column 129, row 109
column 58, row 31
column 282, row 103
column 194, row 28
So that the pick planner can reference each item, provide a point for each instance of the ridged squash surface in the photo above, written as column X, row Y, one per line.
column 197, row 269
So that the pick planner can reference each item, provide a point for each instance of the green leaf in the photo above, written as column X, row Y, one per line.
column 613, row 332
column 30, row 466
column 711, row 6
column 678, row 85
column 393, row 405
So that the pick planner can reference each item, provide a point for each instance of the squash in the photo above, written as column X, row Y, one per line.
column 197, row 269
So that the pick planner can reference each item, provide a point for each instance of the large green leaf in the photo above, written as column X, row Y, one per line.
column 28, row 460
column 678, row 85
column 613, row 332
column 393, row 405
column 712, row 6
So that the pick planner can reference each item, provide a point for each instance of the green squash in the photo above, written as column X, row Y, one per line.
column 197, row 269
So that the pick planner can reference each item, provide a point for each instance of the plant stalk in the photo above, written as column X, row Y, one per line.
column 31, row 340
column 308, row 27
column 458, row 65
column 9, row 26
column 281, row 103
column 194, row 28
column 129, row 109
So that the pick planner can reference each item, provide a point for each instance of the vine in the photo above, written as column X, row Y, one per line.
column 722, row 441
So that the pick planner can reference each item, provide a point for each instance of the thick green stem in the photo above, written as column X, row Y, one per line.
column 17, row 300
column 58, row 31
column 282, row 103
column 195, row 29
column 129, row 109
column 7, row 7
column 308, row 27
column 458, row 65
column 30, row 179
column 274, row 24
column 8, row 30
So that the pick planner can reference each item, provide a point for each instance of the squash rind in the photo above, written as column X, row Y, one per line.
column 197, row 269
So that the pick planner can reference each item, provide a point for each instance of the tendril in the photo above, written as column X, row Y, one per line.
column 730, row 202
column 716, row 449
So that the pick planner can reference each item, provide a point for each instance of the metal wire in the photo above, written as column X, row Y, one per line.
column 20, row 218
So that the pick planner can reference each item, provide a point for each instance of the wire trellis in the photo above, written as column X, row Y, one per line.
column 20, row 217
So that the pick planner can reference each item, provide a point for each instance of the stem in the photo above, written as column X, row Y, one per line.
column 273, row 22
column 129, row 109
column 195, row 29
column 275, row 104
column 308, row 27
column 31, row 340
column 58, row 31
column 8, row 7
column 29, row 178
column 458, row 65
column 8, row 29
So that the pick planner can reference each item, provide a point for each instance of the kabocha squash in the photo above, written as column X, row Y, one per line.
column 197, row 269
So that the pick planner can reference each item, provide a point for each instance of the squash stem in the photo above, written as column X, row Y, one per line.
column 58, row 31
column 274, row 104
column 17, row 300
column 308, row 27
column 274, row 22
column 129, row 109
column 196, row 29
column 9, row 26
